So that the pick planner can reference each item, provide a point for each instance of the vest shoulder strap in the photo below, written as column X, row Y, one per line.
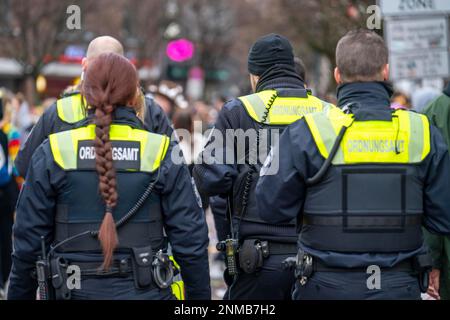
column 145, row 154
column 284, row 111
column 405, row 139
column 71, row 108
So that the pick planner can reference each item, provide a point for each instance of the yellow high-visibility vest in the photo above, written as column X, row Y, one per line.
column 284, row 111
column 178, row 284
column 405, row 139
column 71, row 109
column 65, row 145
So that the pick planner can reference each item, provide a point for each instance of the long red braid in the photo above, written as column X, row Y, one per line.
column 110, row 80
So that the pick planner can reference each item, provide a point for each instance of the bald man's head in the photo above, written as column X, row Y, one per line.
column 104, row 44
column 99, row 45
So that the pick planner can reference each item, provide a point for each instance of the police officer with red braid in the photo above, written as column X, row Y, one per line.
column 97, row 200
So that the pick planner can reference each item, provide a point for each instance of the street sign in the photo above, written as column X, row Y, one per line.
column 418, row 48
column 417, row 34
column 419, row 64
column 413, row 7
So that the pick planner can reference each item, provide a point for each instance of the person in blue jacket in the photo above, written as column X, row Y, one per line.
column 71, row 108
column 361, row 180
column 102, row 197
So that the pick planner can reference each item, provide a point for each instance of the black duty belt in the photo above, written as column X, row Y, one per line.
column 276, row 248
column 404, row 266
column 93, row 269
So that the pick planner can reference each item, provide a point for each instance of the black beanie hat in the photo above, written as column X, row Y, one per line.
column 267, row 51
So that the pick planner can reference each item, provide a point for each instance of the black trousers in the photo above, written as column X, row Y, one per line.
column 270, row 283
column 8, row 198
column 353, row 286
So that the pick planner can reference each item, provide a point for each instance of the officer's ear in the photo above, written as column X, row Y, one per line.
column 84, row 63
column 134, row 102
column 254, row 81
column 337, row 75
column 386, row 72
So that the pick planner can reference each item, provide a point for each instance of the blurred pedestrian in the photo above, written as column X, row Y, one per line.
column 399, row 100
column 205, row 114
column 12, row 132
column 22, row 117
column 422, row 97
column 438, row 112
column 191, row 142
column 9, row 140
column 219, row 101
column 169, row 96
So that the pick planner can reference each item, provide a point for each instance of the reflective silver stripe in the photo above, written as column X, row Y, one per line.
column 70, row 109
column 327, row 135
column 66, row 150
column 258, row 106
column 154, row 151
column 65, row 108
column 416, row 139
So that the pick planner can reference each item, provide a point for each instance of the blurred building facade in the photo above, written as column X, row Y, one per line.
column 35, row 40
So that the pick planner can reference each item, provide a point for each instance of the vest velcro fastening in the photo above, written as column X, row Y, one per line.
column 284, row 111
column 405, row 139
column 133, row 149
column 71, row 109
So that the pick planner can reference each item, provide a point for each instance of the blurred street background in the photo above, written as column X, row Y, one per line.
column 38, row 46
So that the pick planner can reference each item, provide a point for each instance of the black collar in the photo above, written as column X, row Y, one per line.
column 122, row 115
column 279, row 76
column 366, row 100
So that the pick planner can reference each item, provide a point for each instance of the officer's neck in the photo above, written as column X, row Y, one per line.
column 365, row 94
column 123, row 115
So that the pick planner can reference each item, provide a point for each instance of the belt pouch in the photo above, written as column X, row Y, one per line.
column 142, row 266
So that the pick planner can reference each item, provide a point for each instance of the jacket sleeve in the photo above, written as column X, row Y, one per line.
column 437, row 186
column 217, row 167
column 281, row 188
column 436, row 245
column 155, row 119
column 42, row 129
column 186, row 228
column 34, row 219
